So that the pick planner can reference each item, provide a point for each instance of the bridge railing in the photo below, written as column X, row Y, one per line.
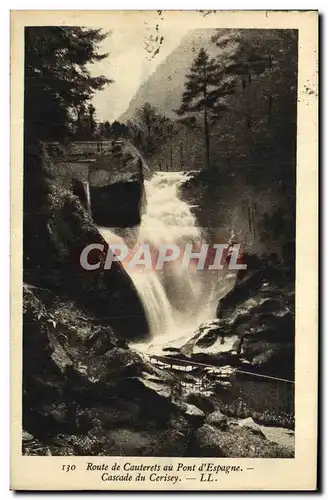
column 89, row 148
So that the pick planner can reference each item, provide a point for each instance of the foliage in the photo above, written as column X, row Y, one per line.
column 104, row 130
column 57, row 79
column 261, row 123
column 148, row 129
column 119, row 130
column 206, row 87
column 113, row 131
column 256, row 140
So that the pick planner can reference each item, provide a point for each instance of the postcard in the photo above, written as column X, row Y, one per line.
column 164, row 220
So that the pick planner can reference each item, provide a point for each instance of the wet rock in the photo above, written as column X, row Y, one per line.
column 205, row 336
column 213, row 344
column 205, row 402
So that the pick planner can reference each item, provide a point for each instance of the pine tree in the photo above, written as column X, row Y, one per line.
column 205, row 88
column 58, row 82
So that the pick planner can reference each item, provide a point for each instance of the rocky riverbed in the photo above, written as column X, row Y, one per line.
column 254, row 328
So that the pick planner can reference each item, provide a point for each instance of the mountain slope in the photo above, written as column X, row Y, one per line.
column 164, row 87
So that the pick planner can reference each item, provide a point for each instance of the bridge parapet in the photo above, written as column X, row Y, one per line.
column 82, row 149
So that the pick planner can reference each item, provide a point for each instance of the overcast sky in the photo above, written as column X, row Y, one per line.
column 129, row 63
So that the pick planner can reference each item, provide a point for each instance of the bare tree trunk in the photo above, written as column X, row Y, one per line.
column 206, row 131
column 270, row 96
column 181, row 155
column 206, row 140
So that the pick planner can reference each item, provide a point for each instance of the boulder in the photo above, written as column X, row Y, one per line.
column 204, row 402
column 212, row 343
column 193, row 414
column 250, row 424
column 120, row 204
column 217, row 419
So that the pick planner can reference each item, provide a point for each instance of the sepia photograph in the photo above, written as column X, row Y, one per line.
column 159, row 195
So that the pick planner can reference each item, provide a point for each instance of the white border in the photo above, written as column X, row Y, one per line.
column 4, row 185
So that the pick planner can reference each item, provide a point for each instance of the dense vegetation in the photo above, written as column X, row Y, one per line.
column 58, row 87
column 58, row 83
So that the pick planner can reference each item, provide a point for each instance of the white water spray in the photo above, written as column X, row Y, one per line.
column 176, row 301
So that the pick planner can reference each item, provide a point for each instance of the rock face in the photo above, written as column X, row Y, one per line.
column 260, row 310
column 85, row 392
column 120, row 204
column 117, row 186
column 254, row 325
column 56, row 230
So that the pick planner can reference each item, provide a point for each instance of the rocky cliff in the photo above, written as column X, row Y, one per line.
column 56, row 230
column 255, row 327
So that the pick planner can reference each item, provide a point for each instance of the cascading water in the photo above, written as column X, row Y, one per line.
column 176, row 301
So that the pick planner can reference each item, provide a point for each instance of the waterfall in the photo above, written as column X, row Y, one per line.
column 86, row 186
column 176, row 301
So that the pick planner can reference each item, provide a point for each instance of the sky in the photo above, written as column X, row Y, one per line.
column 130, row 62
